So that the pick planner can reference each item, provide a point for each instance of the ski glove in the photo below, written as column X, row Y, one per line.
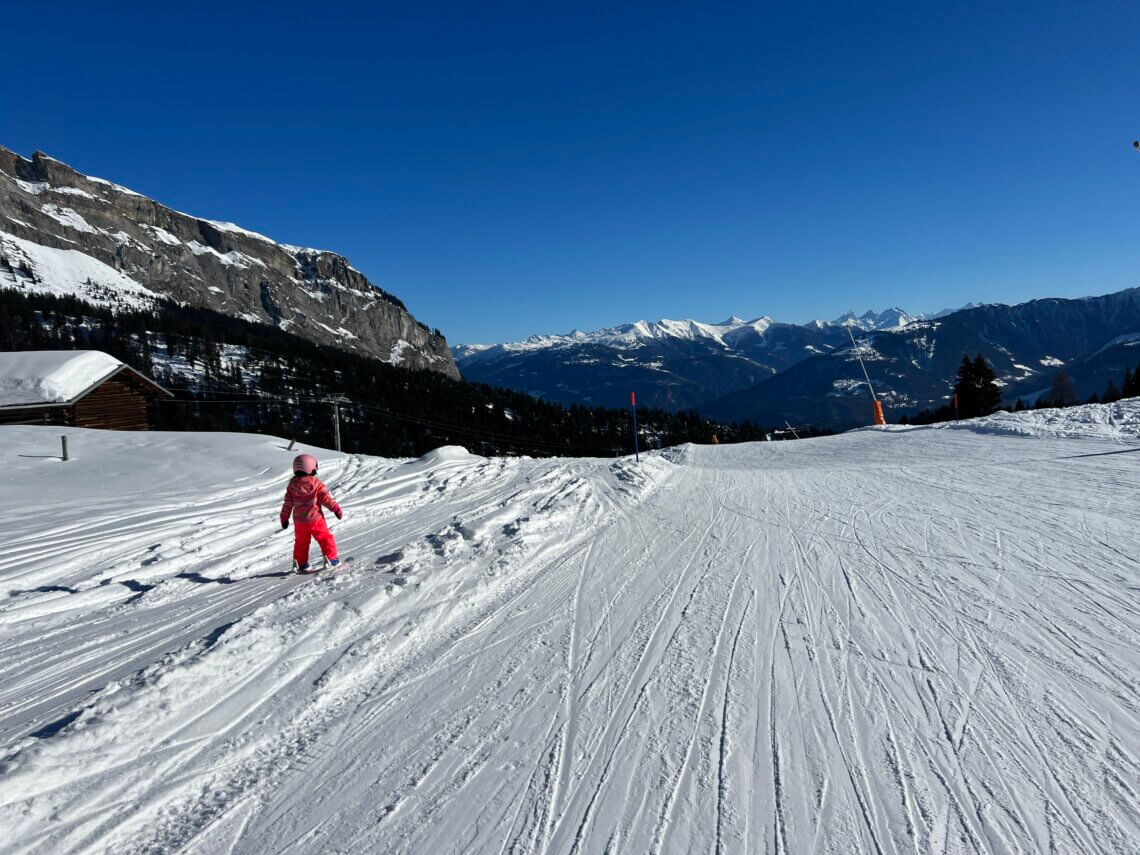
column 284, row 522
column 340, row 515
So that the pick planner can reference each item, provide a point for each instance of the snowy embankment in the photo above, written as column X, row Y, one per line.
column 918, row 640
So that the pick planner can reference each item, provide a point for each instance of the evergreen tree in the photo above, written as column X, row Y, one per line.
column 1111, row 393
column 146, row 356
column 977, row 389
column 1062, row 393
column 989, row 390
column 1131, row 386
column 965, row 389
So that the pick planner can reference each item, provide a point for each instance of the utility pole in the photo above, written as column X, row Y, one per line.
column 633, row 404
column 336, row 402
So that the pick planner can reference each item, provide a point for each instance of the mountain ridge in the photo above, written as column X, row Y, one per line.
column 771, row 371
column 89, row 237
column 690, row 328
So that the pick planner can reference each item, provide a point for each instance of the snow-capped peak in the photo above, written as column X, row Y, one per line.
column 892, row 318
column 632, row 335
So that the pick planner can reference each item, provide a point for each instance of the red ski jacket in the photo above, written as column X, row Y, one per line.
column 303, row 499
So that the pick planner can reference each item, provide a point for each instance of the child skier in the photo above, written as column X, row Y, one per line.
column 303, row 498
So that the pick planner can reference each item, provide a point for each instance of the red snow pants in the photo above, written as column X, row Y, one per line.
column 318, row 530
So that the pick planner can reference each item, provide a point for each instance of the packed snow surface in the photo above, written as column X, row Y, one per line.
column 51, row 376
column 921, row 640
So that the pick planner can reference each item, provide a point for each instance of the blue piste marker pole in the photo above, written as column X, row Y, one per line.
column 633, row 403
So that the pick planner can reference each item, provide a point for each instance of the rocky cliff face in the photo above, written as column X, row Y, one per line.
column 75, row 234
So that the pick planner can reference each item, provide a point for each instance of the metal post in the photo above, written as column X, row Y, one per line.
column 792, row 429
column 292, row 442
column 878, row 408
column 874, row 397
column 336, row 423
column 63, row 442
column 633, row 403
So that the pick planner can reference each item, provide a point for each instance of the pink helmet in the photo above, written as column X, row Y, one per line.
column 305, row 463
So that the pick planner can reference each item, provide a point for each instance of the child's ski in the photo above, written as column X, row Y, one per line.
column 313, row 568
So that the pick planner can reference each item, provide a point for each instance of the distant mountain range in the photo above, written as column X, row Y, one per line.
column 672, row 364
column 66, row 233
column 769, row 371
column 63, row 232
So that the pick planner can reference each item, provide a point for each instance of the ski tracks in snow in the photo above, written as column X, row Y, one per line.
column 880, row 642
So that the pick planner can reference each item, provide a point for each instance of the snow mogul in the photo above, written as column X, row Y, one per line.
column 304, row 497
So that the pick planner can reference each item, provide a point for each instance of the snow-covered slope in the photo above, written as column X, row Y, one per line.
column 66, row 233
column 922, row 640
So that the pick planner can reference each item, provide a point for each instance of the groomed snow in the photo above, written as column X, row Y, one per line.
column 924, row 640
column 51, row 376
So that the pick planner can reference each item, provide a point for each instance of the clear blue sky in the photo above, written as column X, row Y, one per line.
column 536, row 168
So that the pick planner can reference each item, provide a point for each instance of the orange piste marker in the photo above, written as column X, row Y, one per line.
column 879, row 419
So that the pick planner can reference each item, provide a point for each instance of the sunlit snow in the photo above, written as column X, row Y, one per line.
column 904, row 640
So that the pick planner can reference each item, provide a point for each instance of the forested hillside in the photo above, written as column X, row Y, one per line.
column 229, row 374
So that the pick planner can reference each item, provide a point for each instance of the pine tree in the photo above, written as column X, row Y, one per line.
column 146, row 356
column 989, row 390
column 977, row 388
column 1062, row 393
column 1131, row 386
column 965, row 389
column 1111, row 393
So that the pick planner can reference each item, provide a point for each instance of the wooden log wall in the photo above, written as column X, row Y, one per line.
column 114, row 405
column 32, row 416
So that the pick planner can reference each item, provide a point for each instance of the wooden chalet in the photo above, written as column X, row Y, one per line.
column 75, row 388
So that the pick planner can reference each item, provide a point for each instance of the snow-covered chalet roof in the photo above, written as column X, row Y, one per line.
column 31, row 377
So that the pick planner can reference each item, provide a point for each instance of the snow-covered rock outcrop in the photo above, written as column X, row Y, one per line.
column 85, row 236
